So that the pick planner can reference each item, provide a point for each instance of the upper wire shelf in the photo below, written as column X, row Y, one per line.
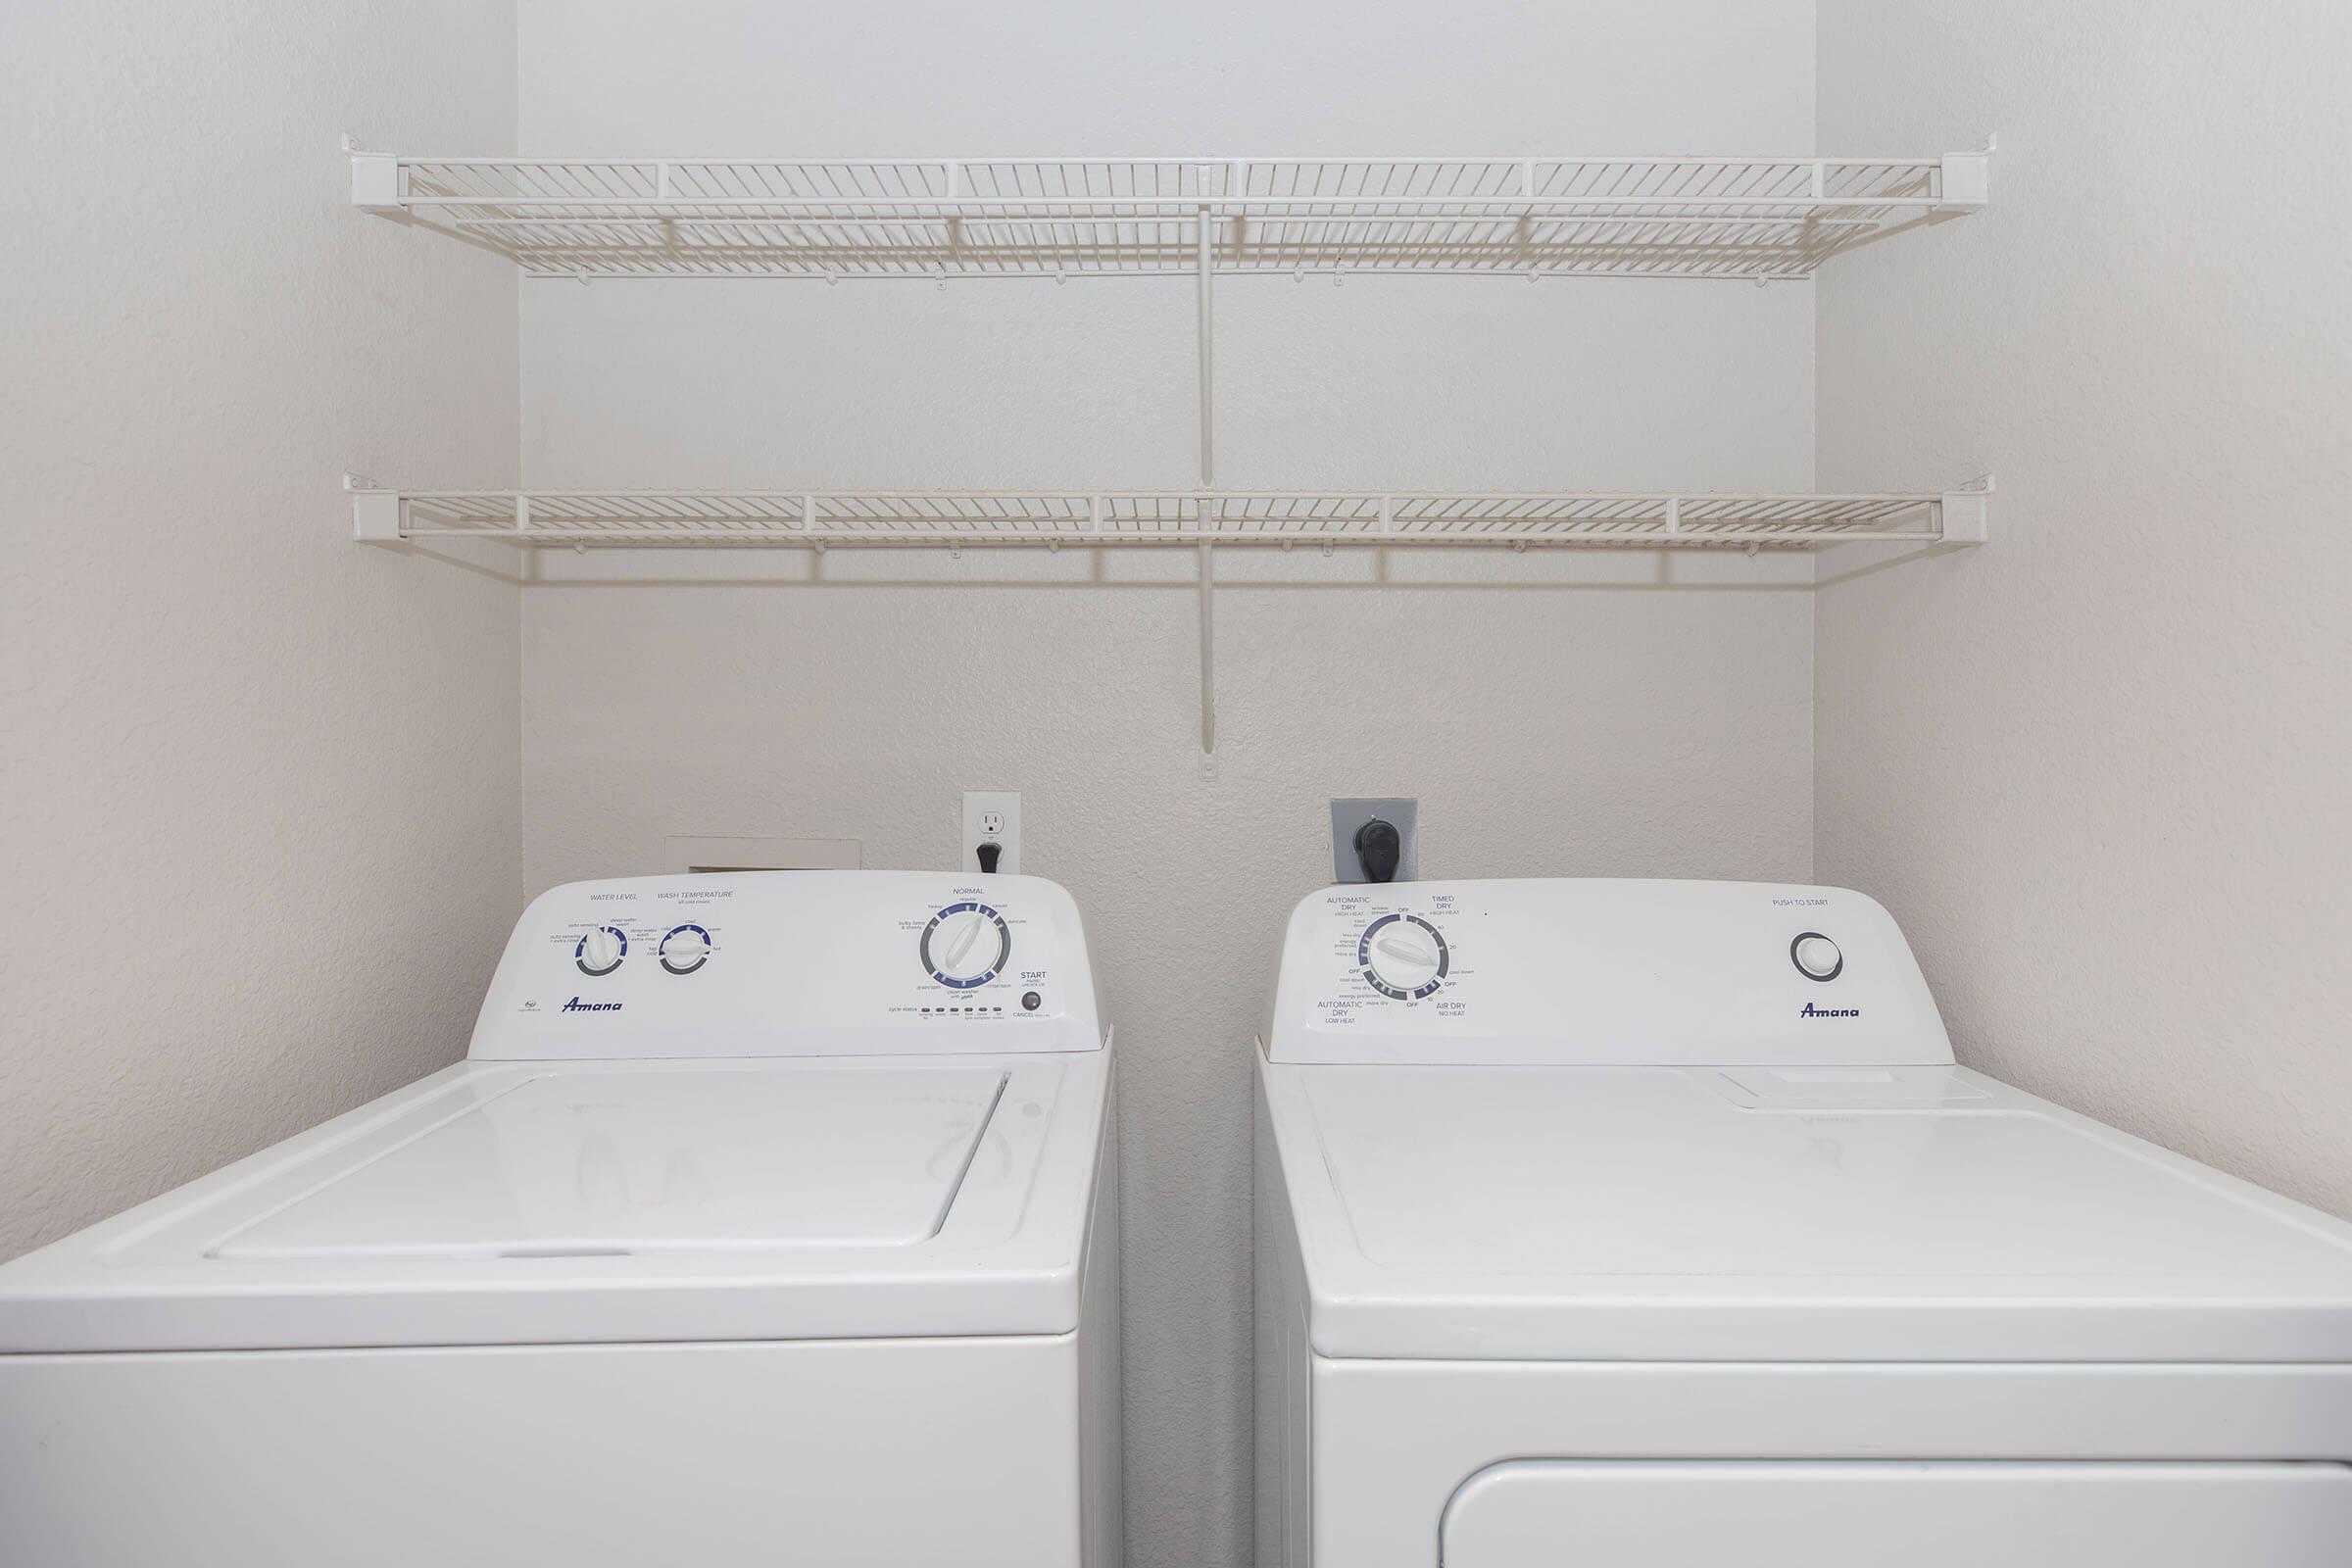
column 818, row 518
column 1760, row 219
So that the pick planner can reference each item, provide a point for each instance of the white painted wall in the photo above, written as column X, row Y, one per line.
column 258, row 804
column 1607, row 715
column 2097, row 769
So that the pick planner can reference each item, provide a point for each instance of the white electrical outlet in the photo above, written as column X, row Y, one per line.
column 992, row 816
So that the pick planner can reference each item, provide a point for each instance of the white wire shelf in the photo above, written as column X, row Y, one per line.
column 955, row 518
column 1757, row 218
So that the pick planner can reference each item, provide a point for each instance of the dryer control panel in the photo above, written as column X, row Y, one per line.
column 1576, row 970
column 793, row 963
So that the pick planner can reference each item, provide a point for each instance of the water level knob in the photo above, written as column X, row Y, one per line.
column 600, row 950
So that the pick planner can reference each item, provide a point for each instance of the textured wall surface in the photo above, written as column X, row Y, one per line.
column 1595, row 714
column 2097, row 769
column 260, row 788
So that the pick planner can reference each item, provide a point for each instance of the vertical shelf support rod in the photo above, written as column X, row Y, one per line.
column 1204, row 261
column 1208, row 653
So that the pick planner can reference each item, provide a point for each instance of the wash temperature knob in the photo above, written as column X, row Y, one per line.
column 684, row 950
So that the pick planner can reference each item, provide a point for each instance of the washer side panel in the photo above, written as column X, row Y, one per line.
column 595, row 1457
column 1101, row 1461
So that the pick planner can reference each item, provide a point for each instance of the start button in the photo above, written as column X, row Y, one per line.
column 1817, row 956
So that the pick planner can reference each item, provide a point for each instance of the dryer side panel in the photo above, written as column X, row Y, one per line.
column 1284, row 1392
column 1537, row 1514
column 1395, row 1442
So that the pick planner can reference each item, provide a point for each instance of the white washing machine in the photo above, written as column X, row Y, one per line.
column 769, row 1219
column 1650, row 1224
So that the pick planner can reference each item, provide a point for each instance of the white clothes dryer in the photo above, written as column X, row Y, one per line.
column 1652, row 1224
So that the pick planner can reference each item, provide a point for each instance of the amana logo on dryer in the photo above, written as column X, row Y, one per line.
column 1811, row 1011
column 575, row 1005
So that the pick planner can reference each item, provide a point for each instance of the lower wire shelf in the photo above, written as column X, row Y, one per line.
column 955, row 518
column 1208, row 520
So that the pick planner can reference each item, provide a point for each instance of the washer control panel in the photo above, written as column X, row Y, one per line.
column 1573, row 971
column 793, row 963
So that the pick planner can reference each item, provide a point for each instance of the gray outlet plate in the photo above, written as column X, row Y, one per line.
column 1399, row 812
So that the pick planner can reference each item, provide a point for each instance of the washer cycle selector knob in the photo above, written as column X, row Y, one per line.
column 1402, row 956
column 1816, row 957
column 685, row 950
column 600, row 950
column 965, row 945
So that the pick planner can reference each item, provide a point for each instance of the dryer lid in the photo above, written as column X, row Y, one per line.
column 1895, row 1213
column 619, row 1163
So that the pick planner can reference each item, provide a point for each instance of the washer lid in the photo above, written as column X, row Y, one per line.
column 616, row 1202
column 1898, row 1213
column 578, row 1165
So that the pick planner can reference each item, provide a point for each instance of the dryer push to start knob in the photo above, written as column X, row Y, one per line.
column 1816, row 957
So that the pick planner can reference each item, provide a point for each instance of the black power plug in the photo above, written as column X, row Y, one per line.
column 987, row 852
column 1378, row 849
